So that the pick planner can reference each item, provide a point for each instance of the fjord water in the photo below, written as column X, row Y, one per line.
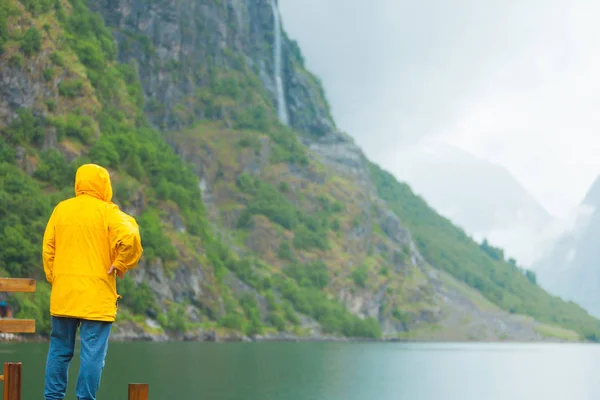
column 334, row 371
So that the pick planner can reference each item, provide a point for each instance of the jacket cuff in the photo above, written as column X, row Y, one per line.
column 120, row 266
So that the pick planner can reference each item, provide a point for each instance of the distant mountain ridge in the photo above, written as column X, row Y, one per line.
column 481, row 197
column 592, row 197
column 572, row 268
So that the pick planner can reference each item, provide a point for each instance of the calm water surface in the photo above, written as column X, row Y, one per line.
column 334, row 371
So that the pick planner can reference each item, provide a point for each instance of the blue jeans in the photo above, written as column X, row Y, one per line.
column 94, row 345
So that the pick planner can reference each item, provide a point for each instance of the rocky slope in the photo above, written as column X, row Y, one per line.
column 253, row 224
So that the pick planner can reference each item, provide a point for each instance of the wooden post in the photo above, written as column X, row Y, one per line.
column 137, row 391
column 12, row 381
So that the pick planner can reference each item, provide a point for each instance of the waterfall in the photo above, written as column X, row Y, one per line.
column 281, row 104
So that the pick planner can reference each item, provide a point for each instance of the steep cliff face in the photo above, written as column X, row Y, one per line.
column 178, row 44
column 249, row 225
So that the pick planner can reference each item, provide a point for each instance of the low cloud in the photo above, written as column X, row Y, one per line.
column 512, row 81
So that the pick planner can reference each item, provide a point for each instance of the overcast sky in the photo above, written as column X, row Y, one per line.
column 514, row 81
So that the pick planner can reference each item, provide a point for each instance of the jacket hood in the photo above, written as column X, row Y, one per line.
column 93, row 180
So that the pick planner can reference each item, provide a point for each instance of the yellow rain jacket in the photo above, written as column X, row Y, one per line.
column 85, row 236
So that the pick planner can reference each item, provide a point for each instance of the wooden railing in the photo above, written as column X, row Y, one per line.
column 12, row 377
column 13, row 371
column 17, row 325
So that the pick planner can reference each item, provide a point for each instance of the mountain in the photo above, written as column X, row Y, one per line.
column 481, row 197
column 259, row 218
column 570, row 269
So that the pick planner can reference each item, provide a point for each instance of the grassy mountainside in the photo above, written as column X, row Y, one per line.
column 248, row 225
column 480, row 266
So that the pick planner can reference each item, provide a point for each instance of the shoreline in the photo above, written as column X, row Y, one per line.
column 213, row 337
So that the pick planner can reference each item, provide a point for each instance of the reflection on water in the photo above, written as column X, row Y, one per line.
column 334, row 371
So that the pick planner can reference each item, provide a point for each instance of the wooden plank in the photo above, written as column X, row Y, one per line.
column 138, row 391
column 12, row 381
column 17, row 325
column 23, row 285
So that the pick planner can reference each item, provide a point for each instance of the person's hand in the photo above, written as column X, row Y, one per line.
column 112, row 270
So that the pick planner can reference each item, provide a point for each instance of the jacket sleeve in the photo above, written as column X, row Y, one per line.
column 49, row 248
column 125, row 239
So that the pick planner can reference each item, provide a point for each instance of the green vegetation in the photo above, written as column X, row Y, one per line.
column 310, row 230
column 250, row 307
column 31, row 42
column 285, row 251
column 37, row 7
column 314, row 274
column 307, row 238
column 290, row 314
column 4, row 36
column 553, row 332
column 174, row 319
column 75, row 126
column 244, row 269
column 35, row 306
column 275, row 317
column 54, row 169
column 25, row 129
column 24, row 210
column 239, row 97
column 243, row 315
column 138, row 298
column 51, row 105
column 268, row 201
column 70, row 88
column 400, row 316
column 333, row 316
column 494, row 252
column 480, row 266
column 360, row 276
column 250, row 141
column 234, row 317
column 296, row 52
column 154, row 238
column 48, row 74
column 531, row 277
column 57, row 59
column 16, row 61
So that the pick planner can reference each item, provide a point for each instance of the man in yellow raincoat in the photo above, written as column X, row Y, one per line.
column 87, row 243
